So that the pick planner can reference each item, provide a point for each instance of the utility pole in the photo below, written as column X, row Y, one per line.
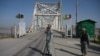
column 76, row 16
column 76, row 10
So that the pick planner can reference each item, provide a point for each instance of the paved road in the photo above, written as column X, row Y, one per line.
column 71, row 47
column 35, row 47
column 22, row 46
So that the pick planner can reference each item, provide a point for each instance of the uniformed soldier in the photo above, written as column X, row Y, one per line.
column 48, row 38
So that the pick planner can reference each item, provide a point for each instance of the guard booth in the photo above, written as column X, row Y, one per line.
column 89, row 25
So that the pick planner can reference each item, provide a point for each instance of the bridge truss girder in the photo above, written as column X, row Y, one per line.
column 47, row 13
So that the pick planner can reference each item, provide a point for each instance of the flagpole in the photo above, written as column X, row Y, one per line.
column 61, row 25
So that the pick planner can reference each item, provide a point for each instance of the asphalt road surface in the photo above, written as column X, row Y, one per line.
column 35, row 48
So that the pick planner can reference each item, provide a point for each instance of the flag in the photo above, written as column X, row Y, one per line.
column 64, row 17
column 20, row 16
column 67, row 16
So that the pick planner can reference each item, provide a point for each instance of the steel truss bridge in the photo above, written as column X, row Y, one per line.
column 47, row 13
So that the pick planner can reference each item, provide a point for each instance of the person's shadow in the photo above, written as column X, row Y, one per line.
column 36, row 50
column 68, row 52
column 39, row 51
column 93, row 47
